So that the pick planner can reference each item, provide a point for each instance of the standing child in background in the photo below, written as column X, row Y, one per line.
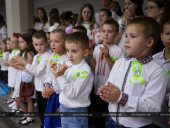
column 163, row 59
column 74, row 82
column 48, row 42
column 26, row 47
column 136, row 83
column 12, row 72
column 9, row 99
column 103, row 59
column 5, row 56
column 38, row 69
column 58, row 56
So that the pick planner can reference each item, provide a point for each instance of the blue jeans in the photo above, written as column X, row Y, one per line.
column 110, row 123
column 73, row 122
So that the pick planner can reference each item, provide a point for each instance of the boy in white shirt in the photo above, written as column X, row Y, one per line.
column 74, row 81
column 136, row 83
column 163, row 59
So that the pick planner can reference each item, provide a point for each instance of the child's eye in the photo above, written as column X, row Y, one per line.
column 56, row 42
column 74, row 51
column 67, row 50
column 133, row 36
column 167, row 34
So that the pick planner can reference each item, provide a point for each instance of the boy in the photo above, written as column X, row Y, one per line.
column 74, row 82
column 104, row 57
column 136, row 83
column 80, row 29
column 163, row 59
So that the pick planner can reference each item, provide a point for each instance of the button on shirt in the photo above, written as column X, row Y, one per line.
column 146, row 97
column 74, row 92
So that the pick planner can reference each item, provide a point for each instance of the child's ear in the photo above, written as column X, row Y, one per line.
column 150, row 42
column 86, row 52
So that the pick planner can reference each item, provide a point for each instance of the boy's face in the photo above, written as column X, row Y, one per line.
column 108, row 34
column 75, row 52
column 39, row 45
column 165, row 36
column 57, row 43
column 136, row 44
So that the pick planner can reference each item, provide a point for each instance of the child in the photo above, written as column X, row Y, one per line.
column 74, row 82
column 38, row 69
column 80, row 29
column 12, row 72
column 104, row 57
column 136, row 83
column 57, row 38
column 48, row 42
column 26, row 47
column 163, row 59
column 5, row 55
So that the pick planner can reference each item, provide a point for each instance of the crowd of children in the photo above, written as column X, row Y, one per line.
column 82, row 69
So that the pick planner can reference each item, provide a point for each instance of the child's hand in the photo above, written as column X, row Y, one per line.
column 110, row 93
column 44, row 94
column 20, row 61
column 6, row 63
column 105, row 50
column 49, row 91
column 126, row 16
column 58, row 70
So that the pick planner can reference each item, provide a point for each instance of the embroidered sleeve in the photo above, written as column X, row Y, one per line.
column 124, row 99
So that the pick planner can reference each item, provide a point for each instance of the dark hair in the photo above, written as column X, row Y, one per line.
column 2, row 22
column 54, row 16
column 107, row 11
column 92, row 18
column 40, row 34
column 28, row 39
column 113, row 23
column 81, row 29
column 4, row 41
column 45, row 19
column 67, row 16
column 139, row 11
column 119, row 12
column 161, row 4
column 78, row 37
column 150, row 27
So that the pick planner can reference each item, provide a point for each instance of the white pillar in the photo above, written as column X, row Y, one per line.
column 19, row 15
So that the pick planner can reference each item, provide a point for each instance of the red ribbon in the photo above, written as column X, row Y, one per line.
column 14, row 34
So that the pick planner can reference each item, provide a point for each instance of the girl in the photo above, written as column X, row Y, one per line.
column 12, row 72
column 26, row 47
column 155, row 10
column 132, row 8
column 5, row 55
column 9, row 99
column 86, row 18
column 54, row 19
column 57, row 39
column 67, row 18
column 42, row 20
column 37, row 69
column 96, row 36
column 103, row 59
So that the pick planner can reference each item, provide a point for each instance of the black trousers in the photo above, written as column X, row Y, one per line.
column 41, row 105
column 5, row 76
column 97, row 105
